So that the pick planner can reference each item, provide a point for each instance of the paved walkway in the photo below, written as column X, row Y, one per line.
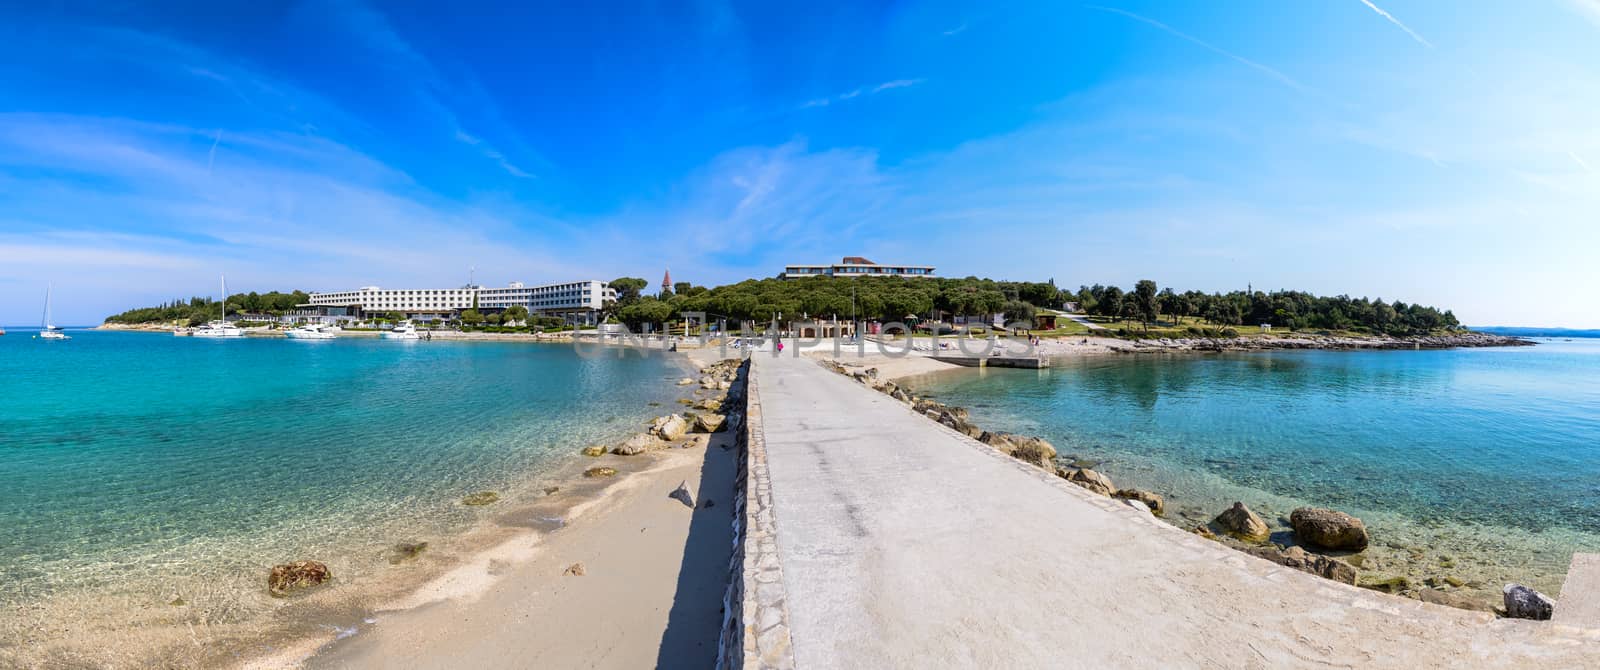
column 904, row 545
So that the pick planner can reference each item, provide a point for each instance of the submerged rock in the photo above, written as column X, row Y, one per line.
column 1242, row 523
column 1448, row 599
column 574, row 570
column 1328, row 528
column 1386, row 584
column 683, row 494
column 601, row 471
column 1154, row 501
column 406, row 551
column 1088, row 479
column 480, row 498
column 670, row 427
column 1525, row 603
column 595, row 451
column 295, row 576
column 685, row 381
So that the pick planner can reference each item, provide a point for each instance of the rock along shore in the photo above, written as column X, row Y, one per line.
column 1263, row 343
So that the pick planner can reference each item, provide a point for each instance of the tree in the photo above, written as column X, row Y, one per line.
column 516, row 313
column 471, row 317
column 1020, row 312
column 395, row 317
column 1109, row 302
column 1145, row 302
column 495, row 319
column 682, row 288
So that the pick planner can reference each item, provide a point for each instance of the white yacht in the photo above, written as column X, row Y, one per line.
column 404, row 331
column 312, row 331
column 221, row 327
column 48, row 330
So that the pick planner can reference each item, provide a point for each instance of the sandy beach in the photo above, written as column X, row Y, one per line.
column 631, row 578
column 650, row 594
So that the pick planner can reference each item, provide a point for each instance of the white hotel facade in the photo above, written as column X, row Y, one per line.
column 578, row 302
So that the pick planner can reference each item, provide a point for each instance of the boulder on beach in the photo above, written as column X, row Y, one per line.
column 601, row 471
column 683, row 494
column 670, row 427
column 1328, row 528
column 574, row 570
column 1157, row 504
column 1088, row 479
column 594, row 451
column 638, row 444
column 295, row 576
column 1525, row 603
column 1242, row 523
column 1316, row 564
column 709, row 405
column 710, row 423
column 1010, row 442
column 685, row 381
column 480, row 498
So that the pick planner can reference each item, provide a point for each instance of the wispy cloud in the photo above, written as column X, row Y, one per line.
column 1391, row 19
column 211, row 156
column 956, row 30
column 1580, row 161
column 375, row 30
column 1281, row 78
column 898, row 83
column 865, row 90
column 1590, row 9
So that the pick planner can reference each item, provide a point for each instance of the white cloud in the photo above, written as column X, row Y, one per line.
column 1391, row 19
column 956, row 30
column 865, row 90
column 288, row 212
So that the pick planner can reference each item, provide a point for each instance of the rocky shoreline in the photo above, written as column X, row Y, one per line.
column 1323, row 542
column 1333, row 342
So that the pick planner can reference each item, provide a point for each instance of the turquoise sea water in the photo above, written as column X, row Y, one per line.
column 1487, row 457
column 132, row 459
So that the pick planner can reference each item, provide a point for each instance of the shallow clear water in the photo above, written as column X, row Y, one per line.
column 1492, row 455
column 133, row 456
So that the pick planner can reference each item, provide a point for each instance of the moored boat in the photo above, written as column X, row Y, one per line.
column 404, row 331
column 312, row 331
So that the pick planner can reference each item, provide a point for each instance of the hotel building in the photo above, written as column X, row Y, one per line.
column 856, row 266
column 577, row 302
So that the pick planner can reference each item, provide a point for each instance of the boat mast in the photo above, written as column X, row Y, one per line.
column 45, row 321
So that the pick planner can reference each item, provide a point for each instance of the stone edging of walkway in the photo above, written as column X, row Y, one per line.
column 1345, row 594
column 755, row 631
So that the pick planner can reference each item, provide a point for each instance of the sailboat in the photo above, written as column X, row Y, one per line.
column 220, row 327
column 48, row 330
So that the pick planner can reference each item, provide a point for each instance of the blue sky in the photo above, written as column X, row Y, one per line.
column 1434, row 152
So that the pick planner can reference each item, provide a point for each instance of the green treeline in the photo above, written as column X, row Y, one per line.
column 895, row 298
column 198, row 310
column 880, row 298
column 1295, row 310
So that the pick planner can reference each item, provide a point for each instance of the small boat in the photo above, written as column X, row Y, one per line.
column 48, row 330
column 312, row 331
column 404, row 331
column 221, row 327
